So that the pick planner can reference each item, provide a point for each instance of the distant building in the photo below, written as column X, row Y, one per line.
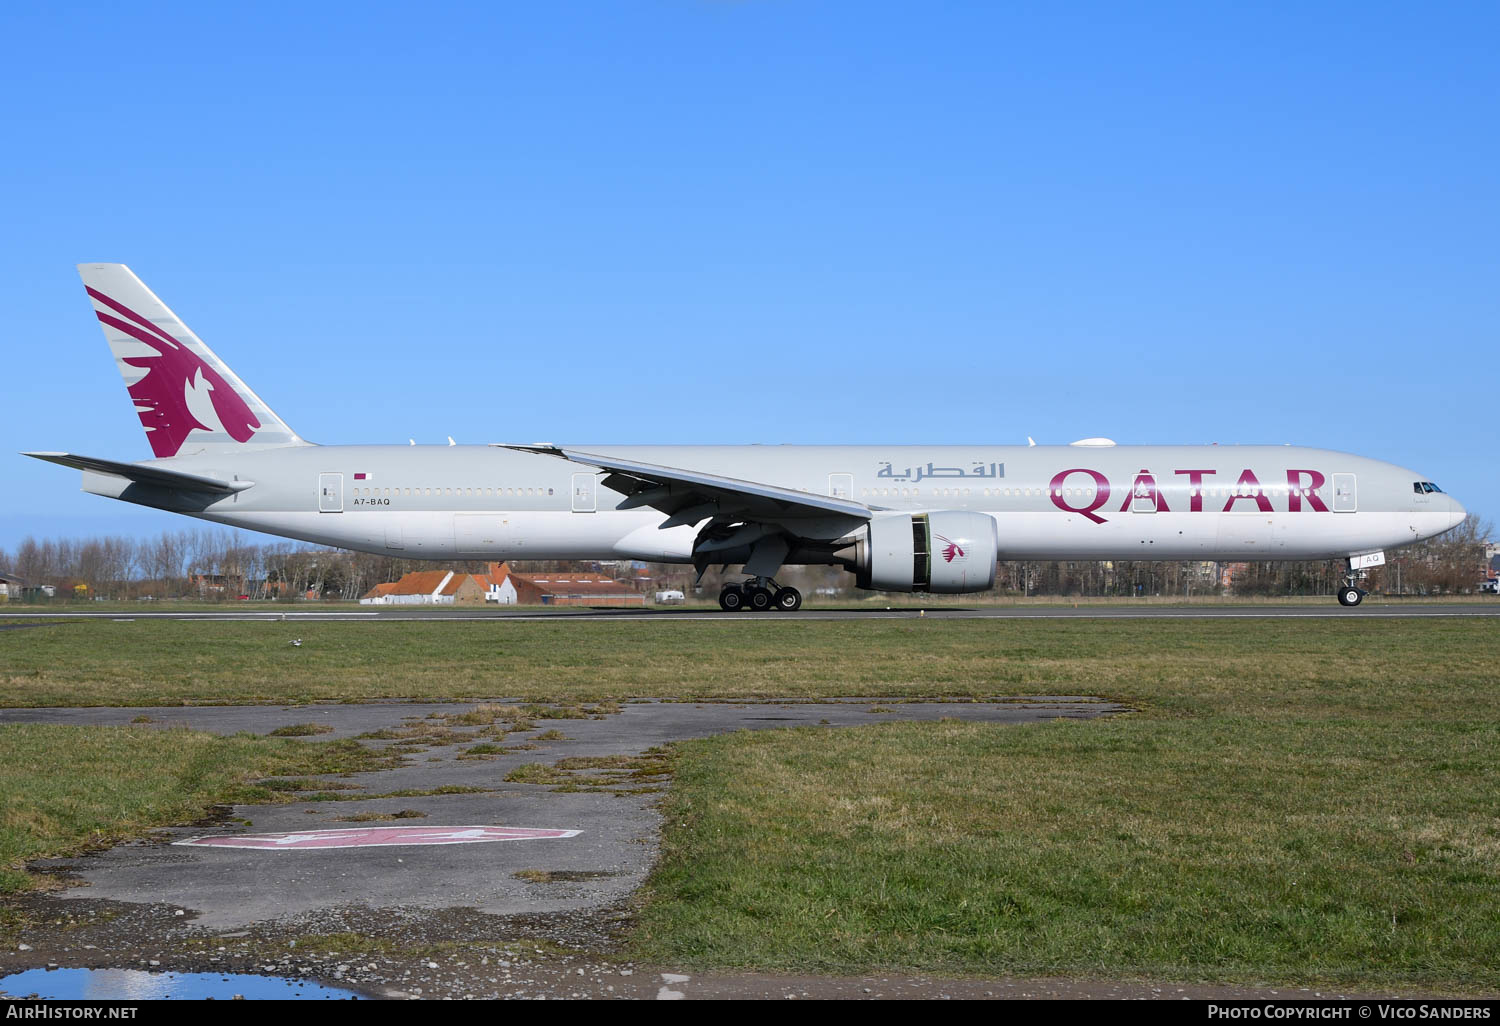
column 562, row 589
column 419, row 588
column 477, row 589
column 376, row 596
column 10, row 587
column 1229, row 571
column 505, row 587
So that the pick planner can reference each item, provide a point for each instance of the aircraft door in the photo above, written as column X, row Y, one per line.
column 1143, row 496
column 841, row 486
column 585, row 493
column 330, row 493
column 1345, row 493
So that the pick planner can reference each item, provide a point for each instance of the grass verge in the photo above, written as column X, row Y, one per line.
column 1278, row 809
column 66, row 790
column 171, row 662
column 1297, row 801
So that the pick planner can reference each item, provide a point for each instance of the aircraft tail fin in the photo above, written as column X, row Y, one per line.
column 188, row 399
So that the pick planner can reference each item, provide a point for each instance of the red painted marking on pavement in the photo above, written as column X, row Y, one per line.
column 375, row 837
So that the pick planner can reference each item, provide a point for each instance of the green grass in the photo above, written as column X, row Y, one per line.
column 169, row 662
column 1299, row 803
column 1293, row 801
column 65, row 790
column 300, row 730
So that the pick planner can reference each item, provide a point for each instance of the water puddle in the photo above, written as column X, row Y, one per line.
column 133, row 984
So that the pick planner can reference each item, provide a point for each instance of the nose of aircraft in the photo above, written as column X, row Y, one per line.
column 1456, row 512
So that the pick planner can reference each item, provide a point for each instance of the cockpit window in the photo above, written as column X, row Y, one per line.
column 1425, row 487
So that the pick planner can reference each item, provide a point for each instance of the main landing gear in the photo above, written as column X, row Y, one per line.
column 759, row 594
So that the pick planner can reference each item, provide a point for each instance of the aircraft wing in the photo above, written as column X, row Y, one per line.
column 141, row 473
column 688, row 496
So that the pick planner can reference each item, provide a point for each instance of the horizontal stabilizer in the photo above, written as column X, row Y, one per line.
column 156, row 477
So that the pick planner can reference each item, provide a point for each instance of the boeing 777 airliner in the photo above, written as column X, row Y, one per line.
column 901, row 518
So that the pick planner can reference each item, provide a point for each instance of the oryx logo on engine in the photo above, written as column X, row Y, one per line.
column 951, row 549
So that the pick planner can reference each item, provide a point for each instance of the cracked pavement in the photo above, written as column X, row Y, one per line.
column 516, row 918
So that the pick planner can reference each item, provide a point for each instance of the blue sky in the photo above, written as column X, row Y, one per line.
column 764, row 222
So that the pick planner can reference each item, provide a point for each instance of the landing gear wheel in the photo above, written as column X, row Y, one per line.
column 731, row 599
column 758, row 599
column 788, row 600
column 1350, row 596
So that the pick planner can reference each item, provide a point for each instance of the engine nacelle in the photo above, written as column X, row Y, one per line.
column 947, row 552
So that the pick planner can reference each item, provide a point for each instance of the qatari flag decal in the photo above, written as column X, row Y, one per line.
column 376, row 837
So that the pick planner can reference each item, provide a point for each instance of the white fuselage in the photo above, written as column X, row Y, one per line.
column 1049, row 502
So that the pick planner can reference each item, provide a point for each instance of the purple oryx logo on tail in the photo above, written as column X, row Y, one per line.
column 170, row 398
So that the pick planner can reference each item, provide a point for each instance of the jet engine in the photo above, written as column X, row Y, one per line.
column 947, row 552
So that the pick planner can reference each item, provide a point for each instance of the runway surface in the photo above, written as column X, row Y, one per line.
column 402, row 614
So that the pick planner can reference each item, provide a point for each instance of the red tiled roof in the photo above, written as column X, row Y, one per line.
column 420, row 582
column 530, row 588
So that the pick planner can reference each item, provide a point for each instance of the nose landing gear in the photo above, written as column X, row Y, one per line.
column 758, row 595
column 1350, row 593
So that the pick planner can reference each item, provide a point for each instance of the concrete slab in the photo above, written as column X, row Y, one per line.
column 234, row 888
